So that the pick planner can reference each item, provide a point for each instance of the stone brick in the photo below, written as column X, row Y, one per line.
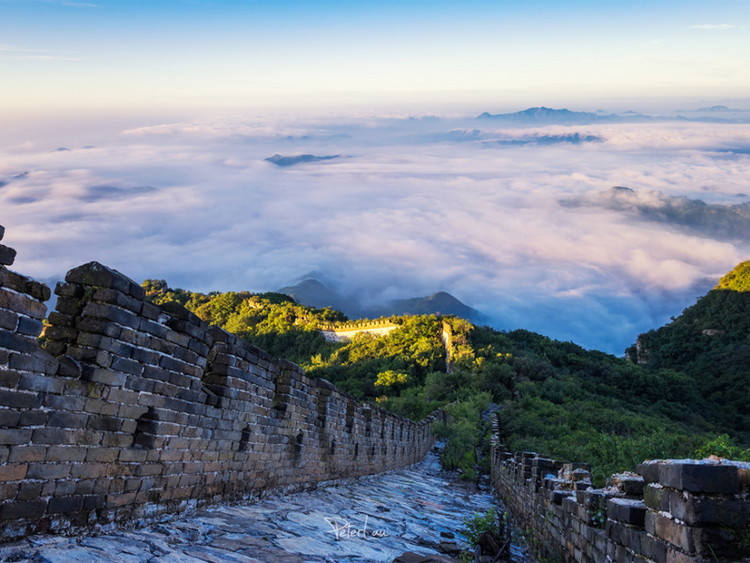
column 31, row 382
column 11, row 436
column 105, row 423
column 104, row 376
column 158, row 330
column 94, row 502
column 700, row 478
column 111, row 313
column 29, row 326
column 98, row 275
column 68, row 367
column 99, row 326
column 731, row 512
column 48, row 471
column 69, row 290
column 24, row 509
column 627, row 511
column 68, row 420
column 69, row 454
column 7, row 255
column 23, row 454
column 34, row 418
column 22, row 304
column 61, row 334
column 9, row 378
column 126, row 366
column 58, row 319
column 115, row 297
column 18, row 343
column 8, row 320
column 65, row 504
column 102, row 455
column 12, row 472
column 9, row 418
column 29, row 491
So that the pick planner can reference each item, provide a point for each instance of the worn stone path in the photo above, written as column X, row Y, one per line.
column 372, row 519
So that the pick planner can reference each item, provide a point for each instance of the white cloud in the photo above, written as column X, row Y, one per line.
column 397, row 218
column 720, row 27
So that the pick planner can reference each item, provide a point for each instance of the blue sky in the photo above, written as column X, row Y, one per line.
column 227, row 54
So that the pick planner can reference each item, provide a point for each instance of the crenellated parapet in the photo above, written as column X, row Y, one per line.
column 128, row 411
column 671, row 511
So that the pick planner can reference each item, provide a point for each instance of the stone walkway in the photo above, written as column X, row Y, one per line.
column 373, row 519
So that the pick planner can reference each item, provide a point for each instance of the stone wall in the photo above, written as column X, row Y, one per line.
column 346, row 331
column 129, row 411
column 672, row 511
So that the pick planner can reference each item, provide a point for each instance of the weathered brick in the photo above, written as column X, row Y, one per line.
column 94, row 502
column 113, row 296
column 65, row 504
column 68, row 367
column 61, row 333
column 29, row 326
column 9, row 378
column 111, row 313
column 8, row 320
column 68, row 420
column 23, row 454
column 7, row 255
column 34, row 418
column 99, row 326
column 98, row 275
column 69, row 290
column 24, row 509
column 126, row 366
column 48, row 471
column 59, row 319
column 102, row 455
column 20, row 399
column 18, row 343
column 104, row 376
column 13, row 472
column 50, row 436
column 10, row 436
column 700, row 478
column 65, row 488
column 29, row 491
column 9, row 419
column 31, row 382
column 63, row 454
column 105, row 423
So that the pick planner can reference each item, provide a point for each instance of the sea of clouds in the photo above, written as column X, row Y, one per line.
column 527, row 231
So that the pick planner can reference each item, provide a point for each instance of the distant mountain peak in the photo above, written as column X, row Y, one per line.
column 312, row 293
column 544, row 114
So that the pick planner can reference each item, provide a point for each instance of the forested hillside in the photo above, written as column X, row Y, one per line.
column 710, row 344
column 552, row 397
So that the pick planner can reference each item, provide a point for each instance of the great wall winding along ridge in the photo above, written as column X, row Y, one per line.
column 130, row 411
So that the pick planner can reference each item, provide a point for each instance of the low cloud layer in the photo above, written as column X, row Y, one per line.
column 416, row 206
column 719, row 221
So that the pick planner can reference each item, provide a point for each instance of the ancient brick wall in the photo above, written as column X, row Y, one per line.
column 672, row 511
column 129, row 411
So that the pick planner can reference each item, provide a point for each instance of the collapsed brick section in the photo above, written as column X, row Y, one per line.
column 674, row 511
column 131, row 411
